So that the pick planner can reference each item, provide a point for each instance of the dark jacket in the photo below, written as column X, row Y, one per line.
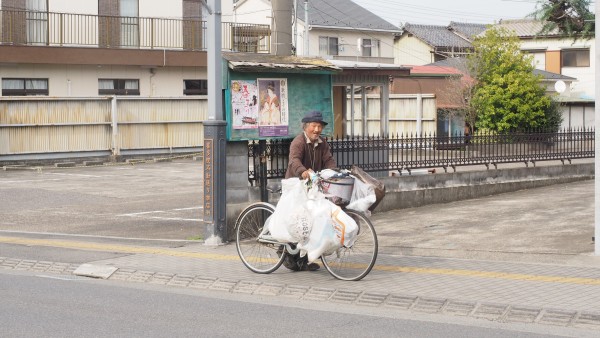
column 304, row 155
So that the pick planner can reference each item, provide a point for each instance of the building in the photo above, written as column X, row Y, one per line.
column 570, row 59
column 108, row 77
column 424, row 44
column 337, row 29
column 89, row 48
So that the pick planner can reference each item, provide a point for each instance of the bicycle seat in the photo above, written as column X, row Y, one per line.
column 274, row 187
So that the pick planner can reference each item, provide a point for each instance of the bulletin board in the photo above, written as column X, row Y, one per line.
column 271, row 105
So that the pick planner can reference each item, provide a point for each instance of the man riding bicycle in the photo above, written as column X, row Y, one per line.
column 309, row 152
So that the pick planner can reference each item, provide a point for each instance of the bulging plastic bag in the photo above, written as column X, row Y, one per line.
column 363, row 196
column 332, row 228
column 345, row 228
column 291, row 221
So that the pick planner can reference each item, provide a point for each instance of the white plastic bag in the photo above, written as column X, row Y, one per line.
column 345, row 228
column 332, row 229
column 363, row 196
column 322, row 236
column 291, row 221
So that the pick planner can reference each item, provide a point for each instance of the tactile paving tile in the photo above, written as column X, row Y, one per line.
column 372, row 299
column 345, row 296
column 522, row 314
column 318, row 294
column 458, row 308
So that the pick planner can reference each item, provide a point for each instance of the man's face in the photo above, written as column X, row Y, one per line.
column 313, row 130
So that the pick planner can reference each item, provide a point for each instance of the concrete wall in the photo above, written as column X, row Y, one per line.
column 414, row 191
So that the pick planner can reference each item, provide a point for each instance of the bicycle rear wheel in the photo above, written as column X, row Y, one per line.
column 257, row 256
column 355, row 262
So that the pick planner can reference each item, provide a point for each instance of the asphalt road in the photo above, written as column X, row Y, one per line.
column 154, row 200
column 36, row 305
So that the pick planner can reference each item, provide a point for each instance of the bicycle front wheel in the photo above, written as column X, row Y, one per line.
column 257, row 256
column 355, row 262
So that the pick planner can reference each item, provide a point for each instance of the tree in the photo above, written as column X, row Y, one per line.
column 571, row 17
column 507, row 95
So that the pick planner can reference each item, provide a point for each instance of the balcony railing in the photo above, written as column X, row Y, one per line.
column 83, row 30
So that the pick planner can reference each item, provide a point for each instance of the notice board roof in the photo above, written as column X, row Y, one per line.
column 252, row 62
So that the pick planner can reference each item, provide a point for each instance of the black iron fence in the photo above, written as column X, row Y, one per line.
column 405, row 153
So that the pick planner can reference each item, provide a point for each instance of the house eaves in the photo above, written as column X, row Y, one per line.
column 251, row 62
column 395, row 31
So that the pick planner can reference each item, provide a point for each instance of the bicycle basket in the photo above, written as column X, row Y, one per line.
column 338, row 190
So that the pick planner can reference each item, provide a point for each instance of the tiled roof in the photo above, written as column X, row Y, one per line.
column 342, row 14
column 466, row 30
column 525, row 28
column 552, row 76
column 436, row 36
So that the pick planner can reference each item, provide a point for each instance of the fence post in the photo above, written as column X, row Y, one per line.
column 262, row 170
column 116, row 151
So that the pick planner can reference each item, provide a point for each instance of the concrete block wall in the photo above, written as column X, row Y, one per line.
column 414, row 191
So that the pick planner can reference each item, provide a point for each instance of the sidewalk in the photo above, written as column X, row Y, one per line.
column 525, row 256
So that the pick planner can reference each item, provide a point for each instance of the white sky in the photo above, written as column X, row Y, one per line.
column 441, row 12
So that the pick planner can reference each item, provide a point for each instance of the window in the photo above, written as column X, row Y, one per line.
column 24, row 87
column 37, row 21
column 195, row 87
column 370, row 47
column 118, row 87
column 129, row 23
column 575, row 57
column 328, row 45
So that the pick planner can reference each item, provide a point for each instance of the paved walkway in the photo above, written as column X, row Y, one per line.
column 525, row 256
column 501, row 263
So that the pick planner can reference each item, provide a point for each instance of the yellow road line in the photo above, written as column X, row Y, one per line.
column 113, row 247
column 390, row 268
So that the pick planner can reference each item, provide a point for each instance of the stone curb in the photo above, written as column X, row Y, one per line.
column 409, row 303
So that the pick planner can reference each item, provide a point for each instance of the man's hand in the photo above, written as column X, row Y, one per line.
column 306, row 174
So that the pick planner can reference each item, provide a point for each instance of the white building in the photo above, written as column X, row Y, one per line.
column 87, row 48
column 573, row 59
column 337, row 29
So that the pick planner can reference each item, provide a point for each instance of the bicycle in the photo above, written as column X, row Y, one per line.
column 263, row 254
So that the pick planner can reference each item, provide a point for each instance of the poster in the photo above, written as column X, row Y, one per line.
column 273, row 114
column 244, row 104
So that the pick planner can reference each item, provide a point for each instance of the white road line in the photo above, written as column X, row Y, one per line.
column 82, row 175
column 70, row 279
column 134, row 214
column 23, row 181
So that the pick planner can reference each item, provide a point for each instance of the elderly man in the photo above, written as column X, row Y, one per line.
column 309, row 152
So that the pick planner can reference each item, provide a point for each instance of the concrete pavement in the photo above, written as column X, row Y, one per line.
column 525, row 257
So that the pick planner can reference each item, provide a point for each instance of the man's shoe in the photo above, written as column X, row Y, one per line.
column 311, row 267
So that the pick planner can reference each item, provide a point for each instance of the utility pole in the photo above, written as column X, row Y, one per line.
column 215, row 165
column 597, row 142
column 306, row 52
column 282, row 27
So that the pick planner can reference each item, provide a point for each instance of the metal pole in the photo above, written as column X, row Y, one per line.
column 116, row 151
column 597, row 147
column 352, row 109
column 420, row 115
column 215, row 165
column 296, row 26
column 306, row 28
